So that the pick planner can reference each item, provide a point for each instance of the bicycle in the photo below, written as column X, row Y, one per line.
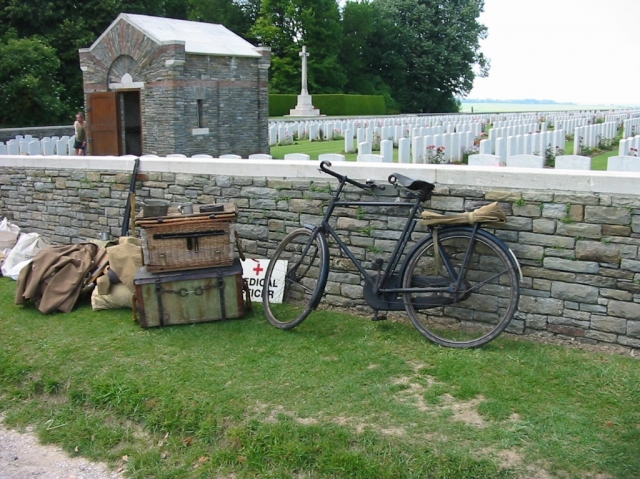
column 459, row 284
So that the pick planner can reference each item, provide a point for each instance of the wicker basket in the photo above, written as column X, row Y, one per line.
column 181, row 243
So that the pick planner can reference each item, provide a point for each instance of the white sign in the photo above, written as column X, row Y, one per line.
column 253, row 270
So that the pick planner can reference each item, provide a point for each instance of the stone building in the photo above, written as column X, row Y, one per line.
column 162, row 86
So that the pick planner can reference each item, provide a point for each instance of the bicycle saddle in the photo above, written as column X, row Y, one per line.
column 409, row 183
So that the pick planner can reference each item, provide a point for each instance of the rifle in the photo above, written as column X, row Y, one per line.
column 130, row 199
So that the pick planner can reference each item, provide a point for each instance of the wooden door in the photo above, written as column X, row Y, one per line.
column 103, row 124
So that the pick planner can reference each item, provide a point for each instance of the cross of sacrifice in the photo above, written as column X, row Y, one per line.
column 304, row 56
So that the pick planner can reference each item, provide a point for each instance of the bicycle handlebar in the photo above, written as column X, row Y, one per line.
column 422, row 189
column 324, row 166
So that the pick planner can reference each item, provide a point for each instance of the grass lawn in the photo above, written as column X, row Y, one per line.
column 336, row 397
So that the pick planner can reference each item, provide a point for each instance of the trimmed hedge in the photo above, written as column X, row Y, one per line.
column 334, row 105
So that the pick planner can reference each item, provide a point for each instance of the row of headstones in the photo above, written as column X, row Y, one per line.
column 566, row 162
column 445, row 147
column 591, row 135
column 569, row 125
column 631, row 127
column 513, row 130
column 174, row 156
column 529, row 144
column 562, row 162
column 524, row 120
column 629, row 146
column 47, row 146
column 618, row 118
column 280, row 134
column 405, row 126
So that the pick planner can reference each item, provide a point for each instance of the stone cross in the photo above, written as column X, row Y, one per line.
column 304, row 56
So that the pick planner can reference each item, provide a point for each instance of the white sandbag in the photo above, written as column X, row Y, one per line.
column 27, row 247
column 8, row 234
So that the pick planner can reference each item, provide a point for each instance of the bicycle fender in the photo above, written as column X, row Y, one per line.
column 324, row 274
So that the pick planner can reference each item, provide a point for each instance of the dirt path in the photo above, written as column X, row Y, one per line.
column 22, row 457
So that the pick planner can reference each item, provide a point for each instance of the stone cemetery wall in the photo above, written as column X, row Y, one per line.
column 576, row 233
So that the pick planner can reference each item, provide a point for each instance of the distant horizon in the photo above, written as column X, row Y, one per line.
column 534, row 101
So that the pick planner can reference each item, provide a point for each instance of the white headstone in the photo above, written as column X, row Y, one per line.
column 573, row 162
column 34, row 147
column 370, row 158
column 485, row 160
column 331, row 157
column 364, row 148
column 348, row 141
column 260, row 156
column 297, row 156
column 525, row 161
column 70, row 142
column 404, row 150
column 13, row 147
column 623, row 163
column 386, row 150
column 62, row 147
column 417, row 150
column 47, row 147
column 313, row 132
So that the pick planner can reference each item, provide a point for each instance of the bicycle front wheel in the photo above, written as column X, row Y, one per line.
column 486, row 300
column 295, row 278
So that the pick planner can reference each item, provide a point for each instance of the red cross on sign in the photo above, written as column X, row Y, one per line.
column 258, row 268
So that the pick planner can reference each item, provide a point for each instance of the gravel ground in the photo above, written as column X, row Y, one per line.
column 23, row 457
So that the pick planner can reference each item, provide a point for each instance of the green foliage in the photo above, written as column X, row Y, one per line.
column 287, row 25
column 28, row 94
column 418, row 55
column 279, row 105
column 238, row 17
column 437, row 61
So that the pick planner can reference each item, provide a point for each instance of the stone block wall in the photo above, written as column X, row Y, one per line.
column 579, row 251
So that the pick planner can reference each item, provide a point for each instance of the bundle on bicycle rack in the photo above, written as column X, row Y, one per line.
column 189, row 273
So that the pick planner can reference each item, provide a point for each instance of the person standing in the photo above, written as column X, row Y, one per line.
column 81, row 134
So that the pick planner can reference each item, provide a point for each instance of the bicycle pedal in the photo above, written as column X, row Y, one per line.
column 378, row 317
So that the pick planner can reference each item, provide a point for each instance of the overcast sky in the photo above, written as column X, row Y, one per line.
column 579, row 51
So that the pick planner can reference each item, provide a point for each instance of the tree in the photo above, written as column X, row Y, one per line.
column 356, row 51
column 237, row 16
column 70, row 25
column 429, row 49
column 29, row 96
column 362, row 55
column 287, row 25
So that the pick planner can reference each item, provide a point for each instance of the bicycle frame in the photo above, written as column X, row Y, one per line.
column 377, row 285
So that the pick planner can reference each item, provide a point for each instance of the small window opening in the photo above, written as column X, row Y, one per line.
column 200, row 108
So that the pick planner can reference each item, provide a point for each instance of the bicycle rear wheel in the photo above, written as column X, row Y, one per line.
column 295, row 279
column 488, row 296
